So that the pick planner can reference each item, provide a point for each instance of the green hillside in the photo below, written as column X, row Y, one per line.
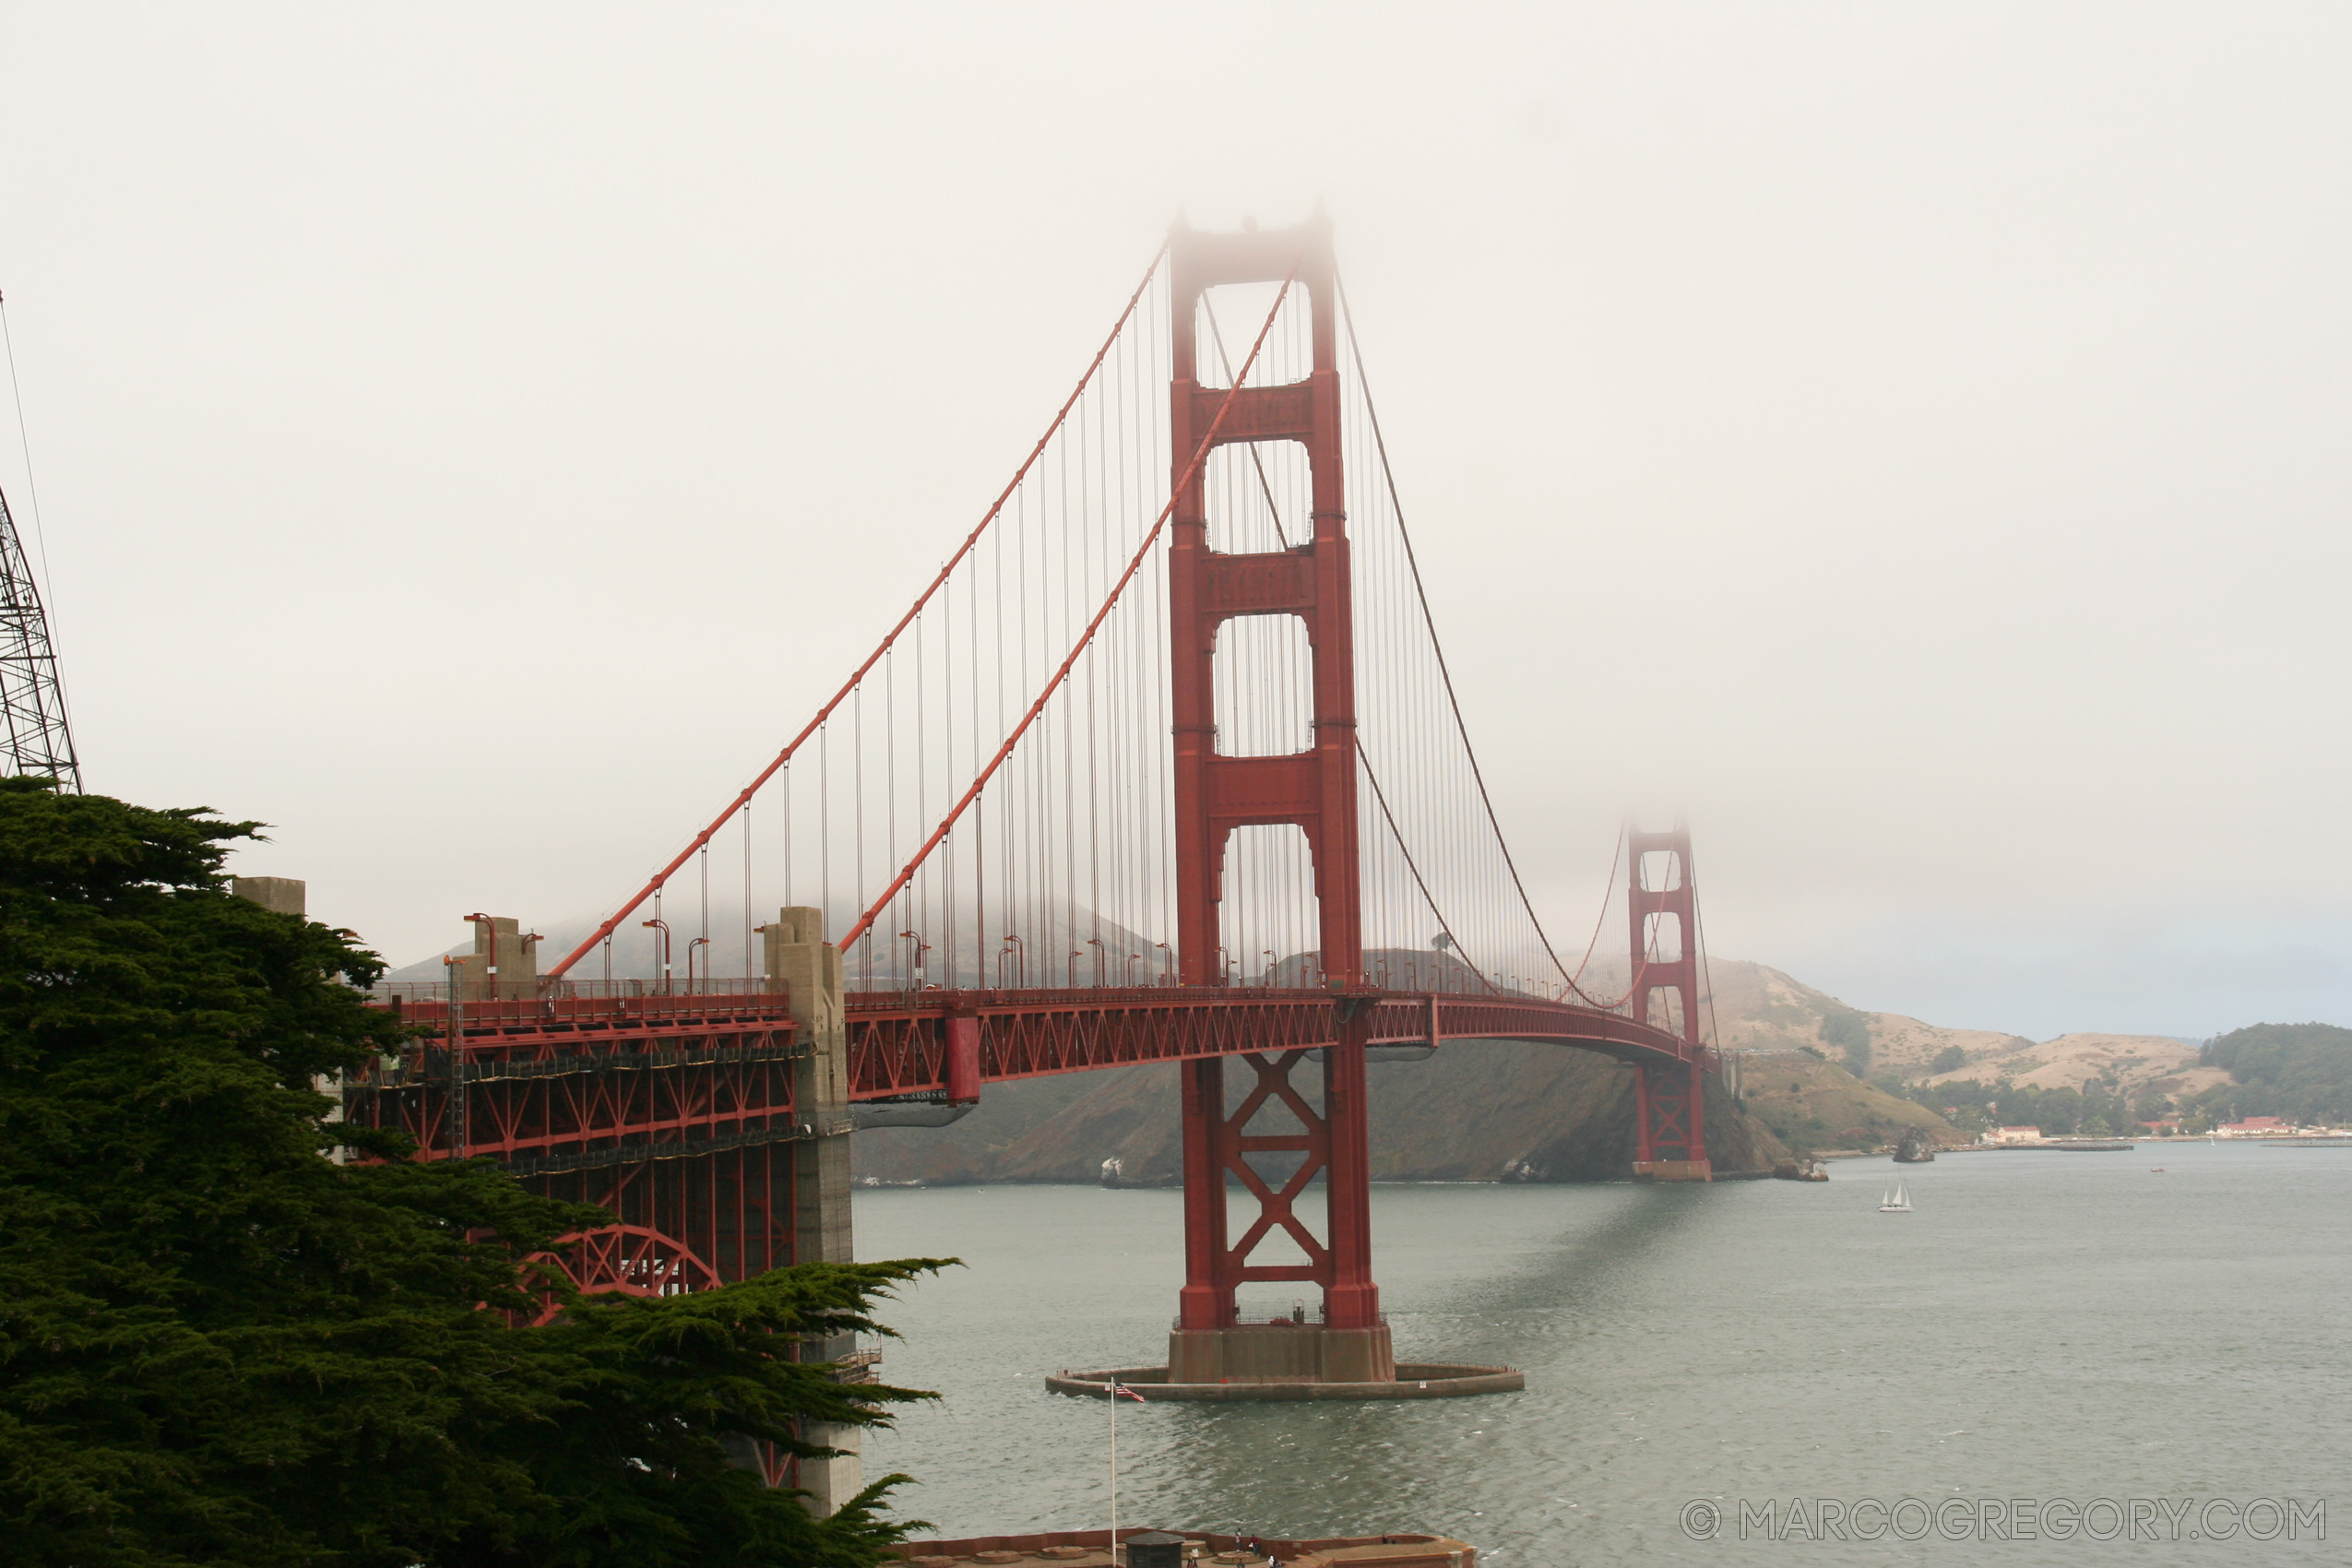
column 2302, row 1072
column 1810, row 1103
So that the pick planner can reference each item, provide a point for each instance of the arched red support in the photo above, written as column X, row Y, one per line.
column 629, row 1260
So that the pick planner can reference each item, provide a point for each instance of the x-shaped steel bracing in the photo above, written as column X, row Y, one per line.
column 1235, row 1143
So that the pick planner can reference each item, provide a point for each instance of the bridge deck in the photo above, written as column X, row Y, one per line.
column 898, row 1039
column 560, row 1079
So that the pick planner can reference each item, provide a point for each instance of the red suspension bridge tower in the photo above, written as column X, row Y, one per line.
column 1670, row 1100
column 1313, row 790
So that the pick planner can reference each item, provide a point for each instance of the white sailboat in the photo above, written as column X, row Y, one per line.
column 1897, row 1200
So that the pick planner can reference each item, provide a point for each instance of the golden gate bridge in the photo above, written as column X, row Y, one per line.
column 1164, row 764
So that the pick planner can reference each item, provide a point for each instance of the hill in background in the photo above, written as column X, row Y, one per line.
column 1502, row 1111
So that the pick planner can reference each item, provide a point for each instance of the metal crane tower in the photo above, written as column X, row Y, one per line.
column 33, row 705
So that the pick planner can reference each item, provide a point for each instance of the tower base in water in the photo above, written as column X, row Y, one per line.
column 1280, row 1353
column 1414, row 1380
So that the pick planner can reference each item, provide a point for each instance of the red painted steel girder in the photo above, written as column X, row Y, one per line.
column 557, row 1027
column 1404, row 1020
column 547, row 1084
column 558, row 1091
column 745, row 1091
column 898, row 1042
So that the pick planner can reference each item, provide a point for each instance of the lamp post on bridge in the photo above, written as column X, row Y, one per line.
column 1167, row 963
column 704, row 942
column 915, row 962
column 490, row 970
column 1102, row 955
column 662, row 926
column 454, row 1035
column 1020, row 952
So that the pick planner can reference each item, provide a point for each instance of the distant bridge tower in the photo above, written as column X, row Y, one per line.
column 32, row 702
column 1669, row 1111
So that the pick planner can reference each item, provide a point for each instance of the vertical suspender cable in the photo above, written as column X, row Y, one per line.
column 963, row 550
column 1085, row 634
column 1453, row 702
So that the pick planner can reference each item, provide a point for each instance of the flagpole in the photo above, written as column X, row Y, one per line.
column 1114, row 1472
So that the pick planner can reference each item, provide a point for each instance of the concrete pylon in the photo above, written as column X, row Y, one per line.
column 503, row 966
column 809, row 969
column 286, row 894
column 291, row 896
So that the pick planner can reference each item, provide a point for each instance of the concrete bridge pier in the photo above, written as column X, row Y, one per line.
column 808, row 969
column 1669, row 1127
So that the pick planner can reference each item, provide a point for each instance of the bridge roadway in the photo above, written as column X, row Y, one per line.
column 570, row 1081
column 906, row 1042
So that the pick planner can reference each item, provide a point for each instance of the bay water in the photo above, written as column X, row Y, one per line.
column 2163, row 1356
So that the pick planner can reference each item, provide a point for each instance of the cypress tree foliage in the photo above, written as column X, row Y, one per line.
column 218, row 1346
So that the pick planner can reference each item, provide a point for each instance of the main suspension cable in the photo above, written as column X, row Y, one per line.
column 1380, row 795
column 1085, row 638
column 1412, row 561
column 1607, row 895
column 859, row 675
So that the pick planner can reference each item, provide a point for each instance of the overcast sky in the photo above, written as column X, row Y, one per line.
column 1911, row 439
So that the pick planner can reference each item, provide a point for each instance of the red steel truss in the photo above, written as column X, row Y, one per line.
column 669, row 1112
column 1226, row 1142
column 899, row 1042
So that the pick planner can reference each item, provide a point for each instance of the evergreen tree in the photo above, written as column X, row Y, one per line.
column 218, row 1346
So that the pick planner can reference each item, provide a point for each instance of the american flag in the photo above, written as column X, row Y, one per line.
column 1121, row 1391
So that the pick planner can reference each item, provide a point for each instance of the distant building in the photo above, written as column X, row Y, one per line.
column 2013, row 1135
column 2253, row 1127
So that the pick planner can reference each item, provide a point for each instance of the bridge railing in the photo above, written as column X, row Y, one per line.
column 586, row 990
column 575, row 1005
